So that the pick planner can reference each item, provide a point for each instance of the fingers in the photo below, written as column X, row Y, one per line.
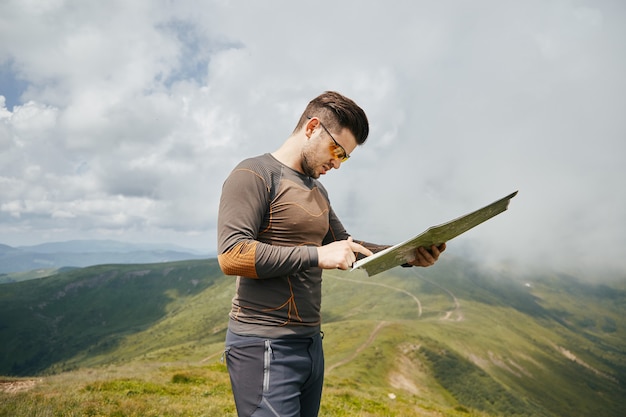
column 425, row 257
column 340, row 254
column 355, row 247
column 343, row 253
column 345, row 262
column 348, row 255
column 435, row 251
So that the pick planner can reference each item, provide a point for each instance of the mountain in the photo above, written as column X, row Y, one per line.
column 81, row 253
column 452, row 340
column 97, row 246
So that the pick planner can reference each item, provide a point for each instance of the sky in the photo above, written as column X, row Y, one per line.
column 121, row 119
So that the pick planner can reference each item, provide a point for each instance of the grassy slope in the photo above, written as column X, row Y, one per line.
column 533, row 364
column 10, row 277
column 450, row 340
column 86, row 313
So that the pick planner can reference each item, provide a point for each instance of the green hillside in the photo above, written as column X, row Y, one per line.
column 453, row 340
column 82, row 316
column 10, row 277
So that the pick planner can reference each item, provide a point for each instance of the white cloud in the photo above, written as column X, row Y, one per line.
column 134, row 113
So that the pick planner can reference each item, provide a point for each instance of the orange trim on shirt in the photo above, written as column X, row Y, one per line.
column 240, row 260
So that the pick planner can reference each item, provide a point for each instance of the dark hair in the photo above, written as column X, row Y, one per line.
column 336, row 112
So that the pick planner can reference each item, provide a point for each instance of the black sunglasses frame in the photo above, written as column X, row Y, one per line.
column 344, row 155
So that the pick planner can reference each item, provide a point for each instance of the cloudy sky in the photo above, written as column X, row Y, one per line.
column 121, row 119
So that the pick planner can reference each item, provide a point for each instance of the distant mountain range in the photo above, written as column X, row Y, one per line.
column 82, row 253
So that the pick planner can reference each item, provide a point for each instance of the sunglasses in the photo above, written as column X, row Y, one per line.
column 340, row 151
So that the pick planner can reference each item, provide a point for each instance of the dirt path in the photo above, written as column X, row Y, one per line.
column 455, row 313
column 378, row 284
column 360, row 349
column 376, row 330
column 214, row 355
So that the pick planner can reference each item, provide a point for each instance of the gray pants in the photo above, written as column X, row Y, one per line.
column 275, row 377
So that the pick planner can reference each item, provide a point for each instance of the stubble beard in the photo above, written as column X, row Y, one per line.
column 307, row 169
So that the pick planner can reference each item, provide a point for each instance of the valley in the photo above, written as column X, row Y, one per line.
column 456, row 340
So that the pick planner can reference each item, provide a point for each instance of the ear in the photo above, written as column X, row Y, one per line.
column 310, row 126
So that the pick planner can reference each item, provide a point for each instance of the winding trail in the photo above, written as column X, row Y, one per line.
column 378, row 284
column 360, row 349
column 208, row 358
column 374, row 333
column 456, row 309
column 448, row 316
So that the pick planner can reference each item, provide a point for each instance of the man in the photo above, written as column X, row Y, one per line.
column 277, row 231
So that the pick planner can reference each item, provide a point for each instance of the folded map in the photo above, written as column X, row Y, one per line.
column 405, row 252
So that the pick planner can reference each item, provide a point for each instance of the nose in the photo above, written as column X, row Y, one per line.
column 336, row 162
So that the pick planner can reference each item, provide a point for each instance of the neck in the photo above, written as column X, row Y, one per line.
column 290, row 153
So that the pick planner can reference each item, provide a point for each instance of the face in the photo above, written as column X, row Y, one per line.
column 322, row 152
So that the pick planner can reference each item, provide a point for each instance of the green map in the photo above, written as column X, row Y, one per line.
column 405, row 252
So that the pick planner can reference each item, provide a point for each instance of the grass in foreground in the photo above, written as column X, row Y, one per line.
column 152, row 389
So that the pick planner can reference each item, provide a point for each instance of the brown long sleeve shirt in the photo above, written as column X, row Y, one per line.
column 271, row 220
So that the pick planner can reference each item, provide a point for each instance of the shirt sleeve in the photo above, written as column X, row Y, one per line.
column 338, row 232
column 245, row 199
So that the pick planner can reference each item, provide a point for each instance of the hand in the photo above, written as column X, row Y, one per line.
column 425, row 257
column 340, row 254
